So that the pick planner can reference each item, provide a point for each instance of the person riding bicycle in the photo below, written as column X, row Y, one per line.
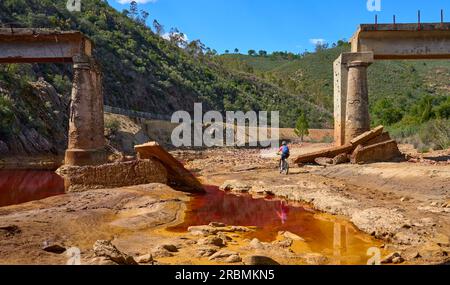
column 284, row 151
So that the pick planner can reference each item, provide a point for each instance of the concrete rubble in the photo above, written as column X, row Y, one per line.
column 371, row 146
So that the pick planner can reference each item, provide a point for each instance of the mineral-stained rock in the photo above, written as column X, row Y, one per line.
column 222, row 255
column 235, row 186
column 290, row 235
column 147, row 258
column 208, row 230
column 260, row 260
column 206, row 251
column 381, row 222
column 170, row 247
column 393, row 258
column 104, row 248
column 211, row 240
column 161, row 251
column 54, row 248
column 324, row 161
column 341, row 159
column 381, row 152
column 114, row 175
column 285, row 243
column 256, row 244
column 233, row 259
column 217, row 225
column 9, row 231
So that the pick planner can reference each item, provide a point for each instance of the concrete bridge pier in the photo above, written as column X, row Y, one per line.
column 357, row 120
column 86, row 124
column 351, row 109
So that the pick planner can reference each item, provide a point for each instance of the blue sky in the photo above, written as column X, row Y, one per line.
column 278, row 25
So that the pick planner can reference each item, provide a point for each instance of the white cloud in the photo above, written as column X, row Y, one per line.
column 317, row 41
column 137, row 1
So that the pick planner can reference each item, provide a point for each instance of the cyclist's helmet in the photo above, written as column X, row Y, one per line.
column 284, row 143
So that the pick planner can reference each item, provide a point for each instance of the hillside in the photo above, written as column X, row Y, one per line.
column 412, row 98
column 142, row 71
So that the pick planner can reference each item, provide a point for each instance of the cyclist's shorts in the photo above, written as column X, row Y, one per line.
column 285, row 156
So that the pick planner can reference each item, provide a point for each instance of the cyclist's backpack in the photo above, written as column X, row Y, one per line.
column 285, row 151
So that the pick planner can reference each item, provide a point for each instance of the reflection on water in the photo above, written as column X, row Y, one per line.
column 321, row 232
column 20, row 186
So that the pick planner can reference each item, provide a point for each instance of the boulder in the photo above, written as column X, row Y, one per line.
column 393, row 258
column 381, row 152
column 233, row 259
column 217, row 225
column 291, row 236
column 341, row 159
column 235, row 186
column 206, row 251
column 104, row 248
column 323, row 161
column 143, row 259
column 212, row 240
column 223, row 255
column 259, row 260
column 54, row 248
column 9, row 231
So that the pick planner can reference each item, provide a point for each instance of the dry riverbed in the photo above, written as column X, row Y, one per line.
column 405, row 205
column 401, row 208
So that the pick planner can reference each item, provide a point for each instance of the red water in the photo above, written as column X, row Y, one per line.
column 322, row 233
column 21, row 186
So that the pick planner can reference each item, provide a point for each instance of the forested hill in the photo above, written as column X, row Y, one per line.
column 411, row 98
column 145, row 72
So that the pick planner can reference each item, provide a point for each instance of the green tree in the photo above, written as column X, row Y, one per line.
column 302, row 126
column 236, row 50
column 251, row 52
column 262, row 53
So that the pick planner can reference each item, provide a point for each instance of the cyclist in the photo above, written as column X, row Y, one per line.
column 284, row 152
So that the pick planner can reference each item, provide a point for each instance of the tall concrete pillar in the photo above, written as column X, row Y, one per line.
column 341, row 69
column 86, row 124
column 357, row 120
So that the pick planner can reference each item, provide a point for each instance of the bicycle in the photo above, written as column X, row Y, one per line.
column 284, row 166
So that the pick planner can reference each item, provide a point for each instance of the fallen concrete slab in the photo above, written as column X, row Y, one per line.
column 345, row 149
column 367, row 136
column 381, row 152
column 328, row 153
column 178, row 176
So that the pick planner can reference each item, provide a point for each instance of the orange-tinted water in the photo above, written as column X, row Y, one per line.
column 21, row 186
column 323, row 233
